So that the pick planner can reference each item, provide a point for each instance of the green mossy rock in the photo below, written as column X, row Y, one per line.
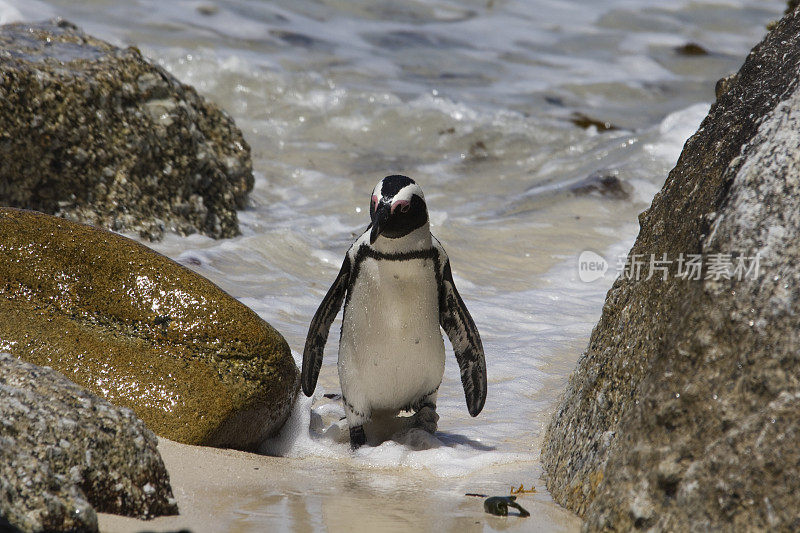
column 141, row 331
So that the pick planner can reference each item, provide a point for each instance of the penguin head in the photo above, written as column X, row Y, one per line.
column 397, row 208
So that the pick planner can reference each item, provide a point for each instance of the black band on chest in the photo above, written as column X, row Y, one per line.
column 365, row 251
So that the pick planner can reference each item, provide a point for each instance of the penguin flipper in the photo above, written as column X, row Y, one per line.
column 460, row 328
column 320, row 326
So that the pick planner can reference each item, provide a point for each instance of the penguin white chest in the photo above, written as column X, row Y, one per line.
column 391, row 350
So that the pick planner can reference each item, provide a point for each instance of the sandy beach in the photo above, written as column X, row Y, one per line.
column 227, row 490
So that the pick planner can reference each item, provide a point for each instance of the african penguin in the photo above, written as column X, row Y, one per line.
column 397, row 289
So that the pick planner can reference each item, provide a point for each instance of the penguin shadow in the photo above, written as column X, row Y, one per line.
column 454, row 439
column 419, row 439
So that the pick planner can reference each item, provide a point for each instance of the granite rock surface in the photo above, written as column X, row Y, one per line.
column 98, row 134
column 684, row 412
column 66, row 454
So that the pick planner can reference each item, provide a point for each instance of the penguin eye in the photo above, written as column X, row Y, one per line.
column 373, row 203
column 403, row 205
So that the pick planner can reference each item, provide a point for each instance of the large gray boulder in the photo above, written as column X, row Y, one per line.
column 684, row 412
column 98, row 134
column 66, row 454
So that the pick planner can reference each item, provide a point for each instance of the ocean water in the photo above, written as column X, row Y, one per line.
column 509, row 113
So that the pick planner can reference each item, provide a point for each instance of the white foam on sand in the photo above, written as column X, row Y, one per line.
column 315, row 428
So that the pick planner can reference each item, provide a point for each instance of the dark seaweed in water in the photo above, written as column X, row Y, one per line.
column 691, row 49
column 585, row 121
column 603, row 183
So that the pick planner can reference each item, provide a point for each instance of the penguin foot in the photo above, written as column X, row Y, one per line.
column 357, row 437
column 426, row 419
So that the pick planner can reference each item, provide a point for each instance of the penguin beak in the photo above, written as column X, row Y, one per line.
column 382, row 213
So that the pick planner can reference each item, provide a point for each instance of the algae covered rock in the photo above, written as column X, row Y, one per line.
column 142, row 331
column 66, row 454
column 684, row 412
column 97, row 134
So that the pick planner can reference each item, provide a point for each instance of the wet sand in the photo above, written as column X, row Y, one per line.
column 226, row 490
